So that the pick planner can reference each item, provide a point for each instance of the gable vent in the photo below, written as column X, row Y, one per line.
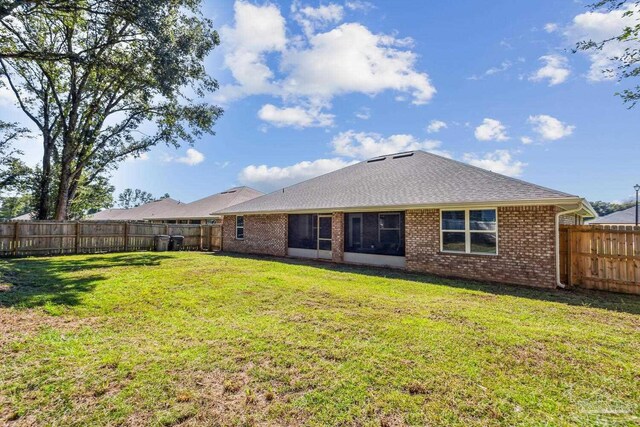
column 402, row 155
column 377, row 159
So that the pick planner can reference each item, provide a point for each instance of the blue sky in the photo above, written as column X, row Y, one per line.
column 308, row 87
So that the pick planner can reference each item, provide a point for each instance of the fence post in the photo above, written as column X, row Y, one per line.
column 16, row 235
column 126, row 236
column 569, row 259
column 200, row 245
column 77, row 241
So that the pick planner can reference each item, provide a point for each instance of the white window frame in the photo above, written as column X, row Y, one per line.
column 239, row 227
column 467, row 231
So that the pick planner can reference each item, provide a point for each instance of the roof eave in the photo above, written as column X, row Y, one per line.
column 572, row 200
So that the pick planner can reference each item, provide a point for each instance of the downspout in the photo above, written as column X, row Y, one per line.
column 578, row 209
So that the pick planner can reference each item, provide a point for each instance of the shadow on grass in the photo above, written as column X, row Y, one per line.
column 577, row 297
column 33, row 282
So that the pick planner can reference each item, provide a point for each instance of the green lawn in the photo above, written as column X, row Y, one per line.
column 204, row 339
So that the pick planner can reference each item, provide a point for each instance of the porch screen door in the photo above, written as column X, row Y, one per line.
column 324, row 232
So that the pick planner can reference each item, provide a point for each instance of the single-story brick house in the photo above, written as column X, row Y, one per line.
column 624, row 217
column 170, row 211
column 416, row 211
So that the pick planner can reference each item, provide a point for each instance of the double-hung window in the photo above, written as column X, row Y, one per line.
column 239, row 227
column 472, row 231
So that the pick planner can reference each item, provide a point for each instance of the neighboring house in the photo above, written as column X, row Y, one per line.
column 171, row 211
column 160, row 207
column 415, row 211
column 24, row 217
column 625, row 217
column 201, row 211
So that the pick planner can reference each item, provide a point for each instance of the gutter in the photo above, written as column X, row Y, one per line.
column 557, row 251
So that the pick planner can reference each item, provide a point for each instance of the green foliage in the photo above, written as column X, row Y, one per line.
column 13, row 172
column 200, row 339
column 130, row 198
column 13, row 206
column 605, row 208
column 90, row 74
column 628, row 63
column 91, row 198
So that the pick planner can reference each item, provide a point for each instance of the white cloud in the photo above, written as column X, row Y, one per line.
column 504, row 66
column 258, row 30
column 139, row 158
column 363, row 114
column 551, row 27
column 599, row 26
column 364, row 6
column 294, row 116
column 350, row 58
column 192, row 157
column 436, row 126
column 318, row 66
column 313, row 18
column 499, row 161
column 556, row 70
column 526, row 140
column 7, row 98
column 491, row 130
column 272, row 177
column 362, row 145
column 550, row 128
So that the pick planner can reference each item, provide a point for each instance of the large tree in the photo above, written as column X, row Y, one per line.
column 628, row 63
column 118, row 78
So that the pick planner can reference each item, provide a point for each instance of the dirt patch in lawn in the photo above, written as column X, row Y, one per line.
column 17, row 324
column 231, row 398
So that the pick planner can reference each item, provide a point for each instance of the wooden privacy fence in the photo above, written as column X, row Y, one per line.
column 26, row 238
column 601, row 257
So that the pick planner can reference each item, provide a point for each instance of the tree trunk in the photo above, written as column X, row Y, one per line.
column 44, row 186
column 62, row 201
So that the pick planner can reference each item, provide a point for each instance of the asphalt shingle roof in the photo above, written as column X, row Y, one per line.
column 627, row 216
column 147, row 211
column 406, row 179
column 204, row 208
column 172, row 209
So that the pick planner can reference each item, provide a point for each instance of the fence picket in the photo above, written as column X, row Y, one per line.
column 25, row 238
column 601, row 257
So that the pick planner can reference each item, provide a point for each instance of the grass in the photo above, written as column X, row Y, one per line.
column 193, row 339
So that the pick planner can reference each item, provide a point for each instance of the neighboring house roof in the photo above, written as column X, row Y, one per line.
column 149, row 210
column 24, row 217
column 627, row 216
column 205, row 207
column 411, row 179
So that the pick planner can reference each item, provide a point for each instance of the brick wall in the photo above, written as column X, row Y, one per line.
column 526, row 248
column 570, row 219
column 337, row 237
column 263, row 234
column 526, row 244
